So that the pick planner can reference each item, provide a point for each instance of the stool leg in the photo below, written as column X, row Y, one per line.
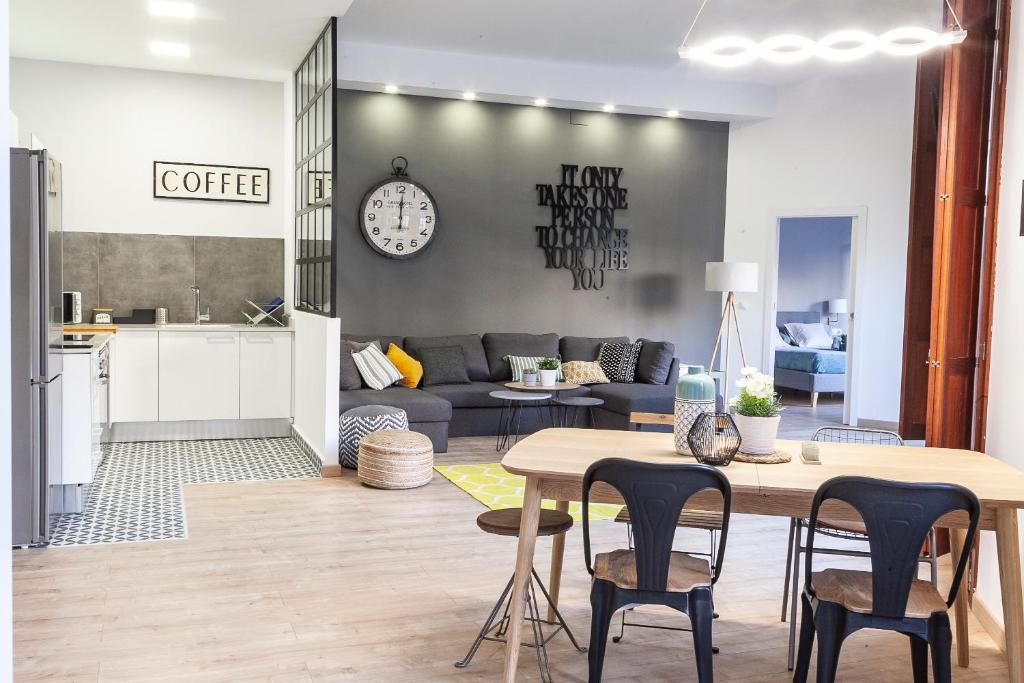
column 558, row 615
column 488, row 625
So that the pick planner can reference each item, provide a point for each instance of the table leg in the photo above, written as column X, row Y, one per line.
column 524, row 564
column 1008, row 552
column 557, row 553
column 956, row 549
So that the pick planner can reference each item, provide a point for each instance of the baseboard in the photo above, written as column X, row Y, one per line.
column 330, row 471
column 306, row 449
column 989, row 621
column 879, row 424
column 194, row 430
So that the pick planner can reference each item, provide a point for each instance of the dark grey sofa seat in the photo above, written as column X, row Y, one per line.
column 427, row 413
column 472, row 395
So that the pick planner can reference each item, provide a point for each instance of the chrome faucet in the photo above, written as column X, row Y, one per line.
column 196, row 308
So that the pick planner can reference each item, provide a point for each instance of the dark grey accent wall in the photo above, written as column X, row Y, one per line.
column 484, row 272
column 126, row 271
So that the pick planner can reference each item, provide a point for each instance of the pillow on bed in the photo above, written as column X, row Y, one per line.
column 810, row 335
column 780, row 339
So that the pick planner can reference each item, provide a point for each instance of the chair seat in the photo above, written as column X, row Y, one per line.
column 688, row 518
column 852, row 590
column 843, row 526
column 506, row 522
column 685, row 571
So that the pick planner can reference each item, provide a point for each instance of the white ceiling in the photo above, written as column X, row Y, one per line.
column 262, row 39
column 267, row 38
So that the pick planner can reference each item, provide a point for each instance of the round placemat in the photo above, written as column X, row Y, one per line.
column 776, row 457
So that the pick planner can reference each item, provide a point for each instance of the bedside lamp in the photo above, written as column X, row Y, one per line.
column 730, row 277
column 837, row 307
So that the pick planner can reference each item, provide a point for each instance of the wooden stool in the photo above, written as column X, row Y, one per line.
column 394, row 459
column 506, row 523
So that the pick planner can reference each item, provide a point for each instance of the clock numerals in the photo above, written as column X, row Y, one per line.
column 398, row 218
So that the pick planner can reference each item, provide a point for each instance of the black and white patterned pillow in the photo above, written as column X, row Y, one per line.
column 619, row 360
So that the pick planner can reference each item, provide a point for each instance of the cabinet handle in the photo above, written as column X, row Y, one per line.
column 220, row 340
column 260, row 339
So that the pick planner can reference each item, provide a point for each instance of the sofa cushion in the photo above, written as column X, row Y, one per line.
column 419, row 405
column 443, row 365
column 472, row 395
column 374, row 367
column 497, row 345
column 411, row 369
column 472, row 352
column 655, row 361
column 347, row 370
column 584, row 372
column 630, row 398
column 383, row 339
column 585, row 348
column 619, row 360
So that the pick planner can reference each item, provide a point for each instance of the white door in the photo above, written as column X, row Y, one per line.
column 134, row 378
column 265, row 381
column 198, row 376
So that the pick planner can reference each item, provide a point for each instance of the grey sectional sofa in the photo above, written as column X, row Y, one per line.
column 444, row 410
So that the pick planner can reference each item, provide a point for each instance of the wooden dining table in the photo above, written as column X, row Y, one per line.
column 554, row 461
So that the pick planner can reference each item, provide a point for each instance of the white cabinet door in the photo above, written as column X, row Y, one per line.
column 134, row 379
column 198, row 376
column 266, row 375
column 76, row 425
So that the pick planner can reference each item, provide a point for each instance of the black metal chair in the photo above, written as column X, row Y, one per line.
column 652, row 573
column 844, row 531
column 839, row 602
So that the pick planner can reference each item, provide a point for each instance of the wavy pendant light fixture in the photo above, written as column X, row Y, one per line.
column 847, row 45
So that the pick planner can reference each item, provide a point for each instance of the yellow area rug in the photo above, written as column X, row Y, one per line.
column 497, row 489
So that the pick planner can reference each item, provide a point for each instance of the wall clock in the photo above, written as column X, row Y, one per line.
column 398, row 215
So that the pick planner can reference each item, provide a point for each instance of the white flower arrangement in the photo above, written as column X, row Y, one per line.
column 757, row 395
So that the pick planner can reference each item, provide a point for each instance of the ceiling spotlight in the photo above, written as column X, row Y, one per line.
column 469, row 95
column 175, row 10
column 391, row 88
column 672, row 113
column 163, row 49
column 608, row 108
column 540, row 102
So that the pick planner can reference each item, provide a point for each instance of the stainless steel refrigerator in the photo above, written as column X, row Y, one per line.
column 36, row 334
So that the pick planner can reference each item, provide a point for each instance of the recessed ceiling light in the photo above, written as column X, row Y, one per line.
column 168, row 8
column 672, row 113
column 391, row 88
column 540, row 102
column 608, row 108
column 163, row 49
column 469, row 95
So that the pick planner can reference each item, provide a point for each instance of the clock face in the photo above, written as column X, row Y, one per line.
column 398, row 218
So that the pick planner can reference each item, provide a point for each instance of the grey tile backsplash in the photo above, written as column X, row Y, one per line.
column 126, row 271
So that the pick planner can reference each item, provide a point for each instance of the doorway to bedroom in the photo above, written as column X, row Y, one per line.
column 810, row 333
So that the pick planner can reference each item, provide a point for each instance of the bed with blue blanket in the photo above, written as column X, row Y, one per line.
column 810, row 370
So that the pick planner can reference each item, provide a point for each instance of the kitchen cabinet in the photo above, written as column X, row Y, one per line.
column 265, row 375
column 198, row 375
column 134, row 388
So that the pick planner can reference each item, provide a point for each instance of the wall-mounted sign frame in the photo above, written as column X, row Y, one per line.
column 211, row 182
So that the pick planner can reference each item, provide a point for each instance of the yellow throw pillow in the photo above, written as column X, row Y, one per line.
column 583, row 372
column 411, row 369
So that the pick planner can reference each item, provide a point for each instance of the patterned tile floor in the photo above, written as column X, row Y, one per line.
column 137, row 492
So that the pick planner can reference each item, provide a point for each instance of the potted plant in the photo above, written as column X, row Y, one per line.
column 756, row 412
column 530, row 377
column 548, row 368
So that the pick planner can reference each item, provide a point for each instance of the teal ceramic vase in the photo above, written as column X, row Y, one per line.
column 695, row 395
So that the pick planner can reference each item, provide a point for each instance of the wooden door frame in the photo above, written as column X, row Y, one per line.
column 858, row 257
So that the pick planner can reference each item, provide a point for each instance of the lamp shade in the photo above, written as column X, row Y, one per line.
column 730, row 276
column 836, row 306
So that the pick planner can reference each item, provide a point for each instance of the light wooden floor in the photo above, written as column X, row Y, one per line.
column 326, row 580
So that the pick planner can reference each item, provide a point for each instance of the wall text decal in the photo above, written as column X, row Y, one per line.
column 581, row 236
column 211, row 182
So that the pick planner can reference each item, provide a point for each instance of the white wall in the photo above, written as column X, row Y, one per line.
column 108, row 125
column 6, row 597
column 317, row 349
column 1005, row 373
column 841, row 143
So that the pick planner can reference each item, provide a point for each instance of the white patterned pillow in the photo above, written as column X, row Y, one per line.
column 374, row 367
column 618, row 360
column 584, row 372
column 520, row 363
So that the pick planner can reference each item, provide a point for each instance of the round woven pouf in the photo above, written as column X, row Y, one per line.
column 395, row 459
column 356, row 423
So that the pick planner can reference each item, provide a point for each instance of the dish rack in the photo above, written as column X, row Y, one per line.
column 261, row 313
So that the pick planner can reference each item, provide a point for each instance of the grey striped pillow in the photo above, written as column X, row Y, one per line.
column 374, row 367
column 520, row 363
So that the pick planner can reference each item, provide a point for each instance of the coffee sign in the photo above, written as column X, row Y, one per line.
column 211, row 182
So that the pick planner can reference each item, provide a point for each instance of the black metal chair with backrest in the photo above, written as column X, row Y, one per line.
column 652, row 573
column 838, row 602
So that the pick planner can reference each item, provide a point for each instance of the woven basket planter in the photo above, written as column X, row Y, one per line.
column 393, row 459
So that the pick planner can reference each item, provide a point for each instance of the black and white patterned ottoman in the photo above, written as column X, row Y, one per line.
column 356, row 423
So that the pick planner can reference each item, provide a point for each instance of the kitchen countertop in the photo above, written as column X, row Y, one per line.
column 182, row 327
column 97, row 341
